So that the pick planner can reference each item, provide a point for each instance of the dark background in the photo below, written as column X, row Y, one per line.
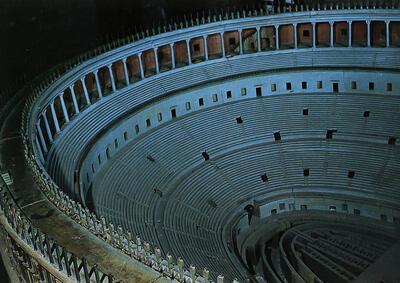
column 38, row 34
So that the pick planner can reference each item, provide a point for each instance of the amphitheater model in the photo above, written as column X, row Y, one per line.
column 246, row 146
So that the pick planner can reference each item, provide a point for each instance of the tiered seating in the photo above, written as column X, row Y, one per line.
column 200, row 195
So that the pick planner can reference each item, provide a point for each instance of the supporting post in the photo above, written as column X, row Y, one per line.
column 368, row 33
column 222, row 44
column 258, row 39
column 125, row 71
column 240, row 42
column 295, row 35
column 42, row 140
column 188, row 51
column 155, row 50
column 349, row 23
column 46, row 125
column 53, row 113
column 85, row 91
column 387, row 33
column 64, row 109
column 171, row 46
column 332, row 30
column 314, row 35
column 205, row 47
column 111, row 78
column 141, row 65
column 41, row 156
column 74, row 100
column 96, row 76
column 277, row 37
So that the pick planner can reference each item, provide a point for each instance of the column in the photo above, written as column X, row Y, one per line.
column 39, row 150
column 331, row 24
column 125, row 71
column 46, row 125
column 369, row 33
column 53, row 113
column 350, row 32
column 141, row 65
column 171, row 47
column 96, row 76
column 111, row 78
column 155, row 50
column 188, row 51
column 295, row 35
column 277, row 37
column 387, row 33
column 42, row 141
column 314, row 35
column 85, row 91
column 222, row 44
column 240, row 42
column 74, row 99
column 64, row 109
column 258, row 39
column 205, row 47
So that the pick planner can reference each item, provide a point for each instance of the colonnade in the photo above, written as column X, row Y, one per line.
column 226, row 43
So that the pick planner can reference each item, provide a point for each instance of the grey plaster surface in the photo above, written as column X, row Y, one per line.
column 46, row 217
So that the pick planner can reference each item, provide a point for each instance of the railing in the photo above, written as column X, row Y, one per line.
column 116, row 236
column 35, row 255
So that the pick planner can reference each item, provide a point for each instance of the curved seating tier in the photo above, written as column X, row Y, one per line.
column 181, row 202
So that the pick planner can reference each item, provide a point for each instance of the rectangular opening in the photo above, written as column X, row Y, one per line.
column 383, row 217
column 306, row 172
column 366, row 114
column 93, row 168
column 148, row 122
column 319, row 84
column 335, row 87
column 345, row 207
column 288, row 86
column 201, row 102
column 205, row 155
column 173, row 113
column 332, row 208
column 215, row 97
column 392, row 140
column 258, row 91
column 136, row 129
column 264, row 177
column 188, row 107
column 229, row 94
column 353, row 85
column 243, row 91
column 99, row 158
column 329, row 134
column 356, row 211
column 274, row 211
column 125, row 135
column 371, row 86
column 108, row 153
column 116, row 143
column 159, row 116
column 389, row 87
column 305, row 111
column 303, row 207
column 196, row 47
column 304, row 85
column 273, row 87
column 282, row 206
column 350, row 174
column 239, row 120
column 277, row 136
